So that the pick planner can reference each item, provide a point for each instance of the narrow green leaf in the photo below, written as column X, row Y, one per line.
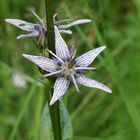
column 46, row 132
column 66, row 126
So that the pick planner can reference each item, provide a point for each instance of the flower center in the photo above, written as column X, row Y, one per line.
column 67, row 68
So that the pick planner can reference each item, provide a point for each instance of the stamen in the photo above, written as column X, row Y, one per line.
column 37, row 17
column 53, row 73
column 40, row 38
column 74, row 82
column 61, row 21
column 54, row 16
column 84, row 68
column 55, row 56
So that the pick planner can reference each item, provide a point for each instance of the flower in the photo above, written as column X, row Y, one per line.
column 33, row 29
column 39, row 30
column 67, row 68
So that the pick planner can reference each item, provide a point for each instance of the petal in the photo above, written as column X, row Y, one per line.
column 92, row 83
column 26, row 26
column 87, row 58
column 80, row 21
column 42, row 62
column 33, row 34
column 60, row 46
column 60, row 87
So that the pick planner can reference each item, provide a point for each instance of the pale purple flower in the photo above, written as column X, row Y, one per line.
column 39, row 29
column 67, row 68
column 33, row 29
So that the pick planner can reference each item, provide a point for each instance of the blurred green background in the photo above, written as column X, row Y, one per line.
column 95, row 115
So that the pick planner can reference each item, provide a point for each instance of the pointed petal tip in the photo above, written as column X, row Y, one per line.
column 6, row 20
column 106, row 89
column 84, row 20
column 88, row 20
column 69, row 32
column 109, row 91
column 25, row 55
column 52, row 102
column 103, row 47
column 18, row 37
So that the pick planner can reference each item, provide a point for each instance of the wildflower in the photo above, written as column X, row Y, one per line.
column 67, row 68
column 39, row 30
column 33, row 29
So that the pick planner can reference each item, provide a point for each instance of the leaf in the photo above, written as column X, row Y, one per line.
column 45, row 131
column 66, row 126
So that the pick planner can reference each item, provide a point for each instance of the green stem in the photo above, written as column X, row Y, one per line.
column 50, row 25
column 54, row 110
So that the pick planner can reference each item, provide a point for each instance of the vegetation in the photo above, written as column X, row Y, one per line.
column 95, row 115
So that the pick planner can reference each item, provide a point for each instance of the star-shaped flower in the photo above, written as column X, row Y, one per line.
column 67, row 68
column 39, row 29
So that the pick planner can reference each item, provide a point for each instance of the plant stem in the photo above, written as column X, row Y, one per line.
column 50, row 25
column 54, row 110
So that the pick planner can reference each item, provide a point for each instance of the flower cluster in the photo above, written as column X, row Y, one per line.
column 64, row 65
column 39, row 29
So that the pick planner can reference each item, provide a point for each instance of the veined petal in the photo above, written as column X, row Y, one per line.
column 80, row 21
column 92, row 83
column 42, row 62
column 33, row 34
column 26, row 26
column 60, row 46
column 60, row 87
column 87, row 58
